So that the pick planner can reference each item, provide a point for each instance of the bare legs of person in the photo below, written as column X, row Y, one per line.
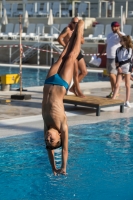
column 127, row 84
column 113, row 81
column 117, row 85
column 70, row 69
column 81, row 73
column 53, row 112
column 65, row 64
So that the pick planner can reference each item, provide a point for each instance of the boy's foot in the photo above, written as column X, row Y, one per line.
column 80, row 27
column 127, row 104
column 110, row 95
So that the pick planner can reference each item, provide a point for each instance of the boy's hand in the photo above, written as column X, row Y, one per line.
column 55, row 171
column 60, row 171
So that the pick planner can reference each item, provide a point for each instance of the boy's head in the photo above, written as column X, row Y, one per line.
column 52, row 139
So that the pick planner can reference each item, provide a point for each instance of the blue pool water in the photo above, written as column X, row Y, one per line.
column 100, row 165
column 36, row 77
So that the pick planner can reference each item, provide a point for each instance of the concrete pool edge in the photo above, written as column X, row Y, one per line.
column 89, row 69
column 20, row 126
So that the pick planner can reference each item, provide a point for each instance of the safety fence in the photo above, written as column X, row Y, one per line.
column 49, row 51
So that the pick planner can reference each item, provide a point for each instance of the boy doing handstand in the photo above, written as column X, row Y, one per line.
column 56, row 84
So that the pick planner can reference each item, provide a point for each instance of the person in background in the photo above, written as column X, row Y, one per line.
column 112, row 43
column 55, row 86
column 63, row 39
column 123, row 65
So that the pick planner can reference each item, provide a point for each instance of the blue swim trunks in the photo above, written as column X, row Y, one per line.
column 56, row 80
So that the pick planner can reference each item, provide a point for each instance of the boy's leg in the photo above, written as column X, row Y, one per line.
column 73, row 50
column 55, row 68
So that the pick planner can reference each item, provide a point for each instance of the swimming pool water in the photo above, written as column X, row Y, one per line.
column 100, row 165
column 36, row 77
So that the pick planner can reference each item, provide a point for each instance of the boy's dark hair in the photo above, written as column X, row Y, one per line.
column 59, row 144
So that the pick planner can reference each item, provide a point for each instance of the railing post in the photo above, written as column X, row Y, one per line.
column 0, row 9
column 113, row 9
column 122, row 18
column 38, row 50
column 10, row 54
column 126, row 12
column 51, row 53
column 73, row 8
column 106, row 9
column 60, row 9
column 88, row 9
column 99, row 9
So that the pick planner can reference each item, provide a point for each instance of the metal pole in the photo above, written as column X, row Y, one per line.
column 51, row 52
column 24, row 5
column 99, row 9
column 106, row 3
column 47, row 56
column 10, row 54
column 21, row 49
column 59, row 9
column 0, row 9
column 35, row 5
column 122, row 18
column 51, row 44
column 113, row 9
column 73, row 8
column 38, row 51
column 126, row 13
column 88, row 9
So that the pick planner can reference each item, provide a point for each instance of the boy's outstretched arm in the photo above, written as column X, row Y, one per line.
column 52, row 161
column 64, row 138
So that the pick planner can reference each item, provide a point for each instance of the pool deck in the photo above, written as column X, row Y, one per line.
column 21, row 117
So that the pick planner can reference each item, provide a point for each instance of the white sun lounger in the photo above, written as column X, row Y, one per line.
column 127, row 29
column 8, row 29
column 55, row 8
column 62, row 26
column 30, row 32
column 14, row 11
column 40, row 28
column 98, row 33
column 7, row 6
column 82, row 8
column 45, row 10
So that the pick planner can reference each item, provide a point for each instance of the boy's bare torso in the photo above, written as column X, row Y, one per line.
column 52, row 106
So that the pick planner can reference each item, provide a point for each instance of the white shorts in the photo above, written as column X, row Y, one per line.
column 125, row 69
